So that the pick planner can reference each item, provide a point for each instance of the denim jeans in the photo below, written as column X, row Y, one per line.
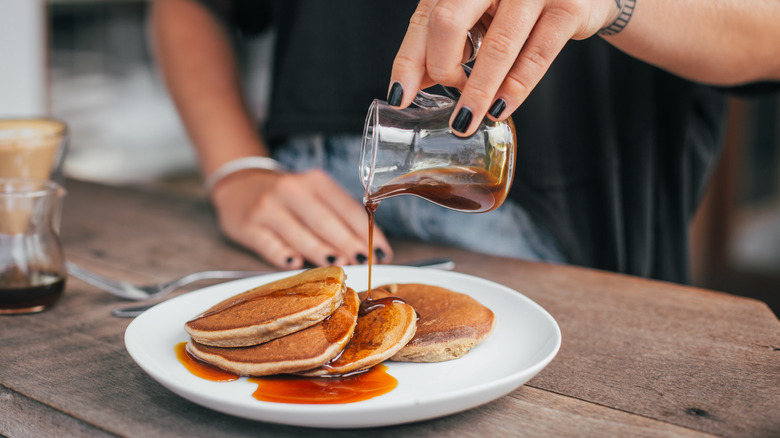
column 506, row 231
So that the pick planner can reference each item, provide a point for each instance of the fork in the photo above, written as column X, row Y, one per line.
column 131, row 291
column 434, row 263
column 134, row 292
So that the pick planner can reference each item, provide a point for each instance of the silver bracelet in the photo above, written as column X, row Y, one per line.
column 237, row 165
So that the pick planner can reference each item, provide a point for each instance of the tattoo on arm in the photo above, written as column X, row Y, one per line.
column 626, row 8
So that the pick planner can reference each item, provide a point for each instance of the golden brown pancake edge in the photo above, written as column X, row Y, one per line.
column 308, row 348
column 379, row 334
column 450, row 325
column 271, row 310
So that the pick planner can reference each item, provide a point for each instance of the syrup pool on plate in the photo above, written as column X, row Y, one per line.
column 302, row 390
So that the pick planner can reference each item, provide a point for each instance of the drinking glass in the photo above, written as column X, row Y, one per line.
column 32, row 269
column 32, row 148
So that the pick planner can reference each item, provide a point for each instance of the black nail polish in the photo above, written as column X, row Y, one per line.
column 361, row 258
column 396, row 94
column 380, row 255
column 462, row 120
column 331, row 259
column 497, row 108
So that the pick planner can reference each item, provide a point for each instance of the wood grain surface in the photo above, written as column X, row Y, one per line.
column 639, row 357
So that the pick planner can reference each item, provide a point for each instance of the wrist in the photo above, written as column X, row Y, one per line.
column 240, row 165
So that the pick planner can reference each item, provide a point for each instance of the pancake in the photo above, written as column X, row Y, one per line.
column 450, row 323
column 305, row 349
column 379, row 334
column 272, row 310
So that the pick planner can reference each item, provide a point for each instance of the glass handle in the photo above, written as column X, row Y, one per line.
column 432, row 101
column 427, row 100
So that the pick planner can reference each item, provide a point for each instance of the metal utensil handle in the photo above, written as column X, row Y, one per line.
column 435, row 263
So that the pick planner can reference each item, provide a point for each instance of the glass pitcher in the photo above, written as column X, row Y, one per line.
column 414, row 152
column 32, row 270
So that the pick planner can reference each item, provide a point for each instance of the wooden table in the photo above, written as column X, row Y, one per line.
column 639, row 357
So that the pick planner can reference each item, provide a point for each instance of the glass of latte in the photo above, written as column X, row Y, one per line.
column 32, row 148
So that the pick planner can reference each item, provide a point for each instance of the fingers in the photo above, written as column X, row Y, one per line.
column 292, row 218
column 433, row 48
column 354, row 215
column 271, row 247
column 330, row 214
column 522, row 40
column 383, row 252
column 448, row 24
column 408, row 73
column 299, row 236
column 505, row 38
column 548, row 37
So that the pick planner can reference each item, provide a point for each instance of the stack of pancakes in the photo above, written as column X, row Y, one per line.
column 309, row 324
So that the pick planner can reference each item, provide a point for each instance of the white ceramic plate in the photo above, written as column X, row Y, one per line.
column 525, row 339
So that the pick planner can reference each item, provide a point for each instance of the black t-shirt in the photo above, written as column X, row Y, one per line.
column 613, row 154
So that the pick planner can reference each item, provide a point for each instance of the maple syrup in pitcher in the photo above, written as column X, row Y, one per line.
column 413, row 151
column 471, row 190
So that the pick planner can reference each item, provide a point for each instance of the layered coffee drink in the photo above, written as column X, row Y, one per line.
column 31, row 148
column 32, row 275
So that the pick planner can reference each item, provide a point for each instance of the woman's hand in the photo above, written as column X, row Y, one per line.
column 720, row 42
column 285, row 218
column 523, row 38
column 291, row 217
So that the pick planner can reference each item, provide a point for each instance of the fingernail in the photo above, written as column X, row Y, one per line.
column 462, row 120
column 380, row 255
column 396, row 94
column 497, row 108
column 331, row 259
column 361, row 258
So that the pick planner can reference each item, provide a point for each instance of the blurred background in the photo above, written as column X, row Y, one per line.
column 88, row 62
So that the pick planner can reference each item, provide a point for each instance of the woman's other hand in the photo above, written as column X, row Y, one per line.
column 290, row 218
